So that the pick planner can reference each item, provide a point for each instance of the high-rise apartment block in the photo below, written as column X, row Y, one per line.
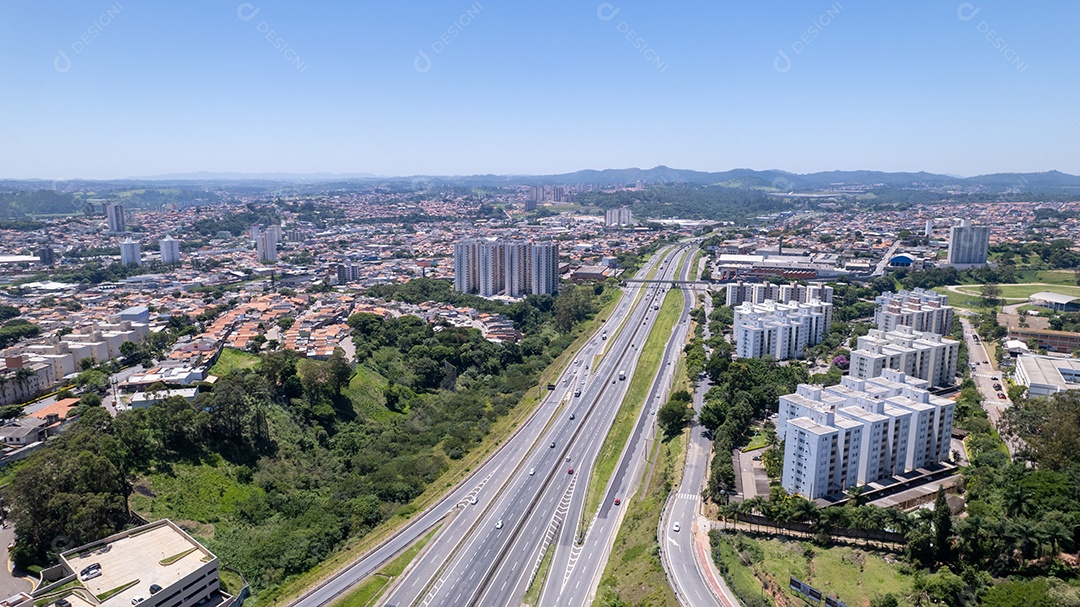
column 130, row 252
column 780, row 330
column 919, row 309
column 114, row 216
column 927, row 356
column 618, row 217
column 47, row 255
column 859, row 432
column 266, row 246
column 759, row 292
column 968, row 244
column 510, row 268
column 170, row 250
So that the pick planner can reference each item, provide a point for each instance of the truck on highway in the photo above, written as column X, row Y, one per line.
column 622, row 375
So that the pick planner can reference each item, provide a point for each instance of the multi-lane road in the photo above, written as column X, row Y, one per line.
column 489, row 553
column 494, row 525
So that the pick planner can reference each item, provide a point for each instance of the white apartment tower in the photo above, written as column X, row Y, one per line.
column 759, row 292
column 618, row 217
column 130, row 252
column 511, row 268
column 927, row 356
column 920, row 309
column 266, row 246
column 860, row 432
column 114, row 215
column 780, row 330
column 170, row 250
column 968, row 244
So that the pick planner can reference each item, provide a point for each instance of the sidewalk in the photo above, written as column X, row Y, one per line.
column 707, row 567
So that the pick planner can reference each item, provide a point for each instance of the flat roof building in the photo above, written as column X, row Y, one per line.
column 919, row 309
column 860, row 432
column 158, row 553
column 968, row 244
column 780, row 330
column 928, row 356
column 759, row 292
column 1046, row 375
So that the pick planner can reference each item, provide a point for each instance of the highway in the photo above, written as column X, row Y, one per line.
column 530, row 476
column 577, row 566
column 483, row 484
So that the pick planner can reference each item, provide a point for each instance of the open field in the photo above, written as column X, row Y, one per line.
column 232, row 360
column 652, row 351
column 851, row 574
column 1020, row 292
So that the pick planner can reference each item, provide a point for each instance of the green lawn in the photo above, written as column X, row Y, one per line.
column 634, row 574
column 652, row 351
column 1020, row 292
column 532, row 595
column 960, row 300
column 851, row 574
column 231, row 360
column 365, row 389
column 757, row 441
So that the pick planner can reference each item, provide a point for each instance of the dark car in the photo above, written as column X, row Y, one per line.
column 570, row 471
column 154, row 589
column 618, row 501
column 552, row 444
column 62, row 603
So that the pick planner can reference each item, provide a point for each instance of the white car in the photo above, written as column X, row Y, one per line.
column 498, row 525
column 135, row 600
column 676, row 527
column 473, row 500
column 89, row 575
column 532, row 471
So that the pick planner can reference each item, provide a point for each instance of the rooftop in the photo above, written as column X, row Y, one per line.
column 159, row 553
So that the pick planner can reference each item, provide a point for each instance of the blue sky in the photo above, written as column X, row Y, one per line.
column 109, row 89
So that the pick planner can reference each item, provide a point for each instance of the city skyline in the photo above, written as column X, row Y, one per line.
column 112, row 90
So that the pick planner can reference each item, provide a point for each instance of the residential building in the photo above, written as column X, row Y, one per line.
column 618, row 217
column 158, row 554
column 130, row 252
column 758, row 292
column 170, row 250
column 266, row 246
column 511, row 268
column 927, row 356
column 1046, row 375
column 114, row 216
column 919, row 309
column 46, row 255
column 780, row 330
column 860, row 432
column 968, row 244
column 530, row 204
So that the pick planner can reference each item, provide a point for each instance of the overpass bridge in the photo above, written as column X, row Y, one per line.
column 674, row 283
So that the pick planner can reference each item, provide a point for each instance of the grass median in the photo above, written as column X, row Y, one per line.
column 652, row 354
column 634, row 574
column 371, row 590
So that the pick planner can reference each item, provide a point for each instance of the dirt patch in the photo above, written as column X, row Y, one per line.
column 143, row 488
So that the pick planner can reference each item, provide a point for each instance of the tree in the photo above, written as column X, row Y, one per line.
column 90, row 399
column 990, row 293
column 673, row 417
column 942, row 527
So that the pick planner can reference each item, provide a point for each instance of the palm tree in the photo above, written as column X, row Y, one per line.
column 856, row 496
column 756, row 504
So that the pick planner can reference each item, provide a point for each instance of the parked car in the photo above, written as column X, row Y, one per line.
column 135, row 600
column 154, row 589
column 1001, row 395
